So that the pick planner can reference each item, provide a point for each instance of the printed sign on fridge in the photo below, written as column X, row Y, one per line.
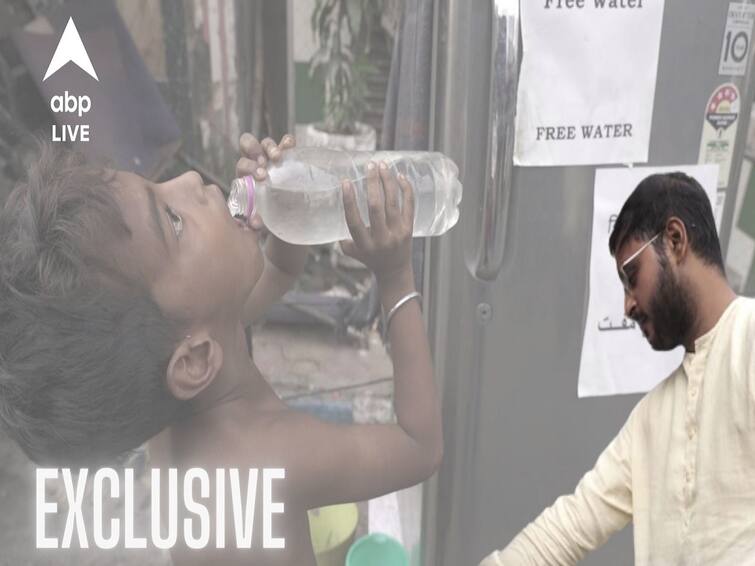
column 587, row 85
column 720, row 130
column 735, row 50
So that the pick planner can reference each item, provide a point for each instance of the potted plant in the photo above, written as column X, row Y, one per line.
column 343, row 29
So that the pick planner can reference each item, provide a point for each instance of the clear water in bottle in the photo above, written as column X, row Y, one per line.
column 301, row 201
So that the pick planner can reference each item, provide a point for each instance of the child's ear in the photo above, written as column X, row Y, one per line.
column 194, row 364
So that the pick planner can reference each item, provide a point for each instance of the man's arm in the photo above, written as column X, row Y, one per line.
column 578, row 523
column 330, row 463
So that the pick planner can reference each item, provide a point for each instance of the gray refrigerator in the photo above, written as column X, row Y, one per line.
column 507, row 289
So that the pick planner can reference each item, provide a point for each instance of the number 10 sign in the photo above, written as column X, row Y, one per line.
column 736, row 44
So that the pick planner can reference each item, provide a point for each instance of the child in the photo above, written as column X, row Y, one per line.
column 122, row 312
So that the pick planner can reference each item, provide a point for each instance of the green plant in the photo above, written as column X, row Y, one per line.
column 343, row 29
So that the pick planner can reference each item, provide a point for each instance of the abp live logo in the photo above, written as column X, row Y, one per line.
column 70, row 49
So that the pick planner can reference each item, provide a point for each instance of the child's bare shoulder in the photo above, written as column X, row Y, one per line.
column 234, row 435
column 323, row 462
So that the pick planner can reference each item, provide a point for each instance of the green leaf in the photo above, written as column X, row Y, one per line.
column 344, row 30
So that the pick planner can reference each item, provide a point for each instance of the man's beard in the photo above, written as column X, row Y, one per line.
column 671, row 311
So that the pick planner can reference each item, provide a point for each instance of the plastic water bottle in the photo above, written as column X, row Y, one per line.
column 300, row 201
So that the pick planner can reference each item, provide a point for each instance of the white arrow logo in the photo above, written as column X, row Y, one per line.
column 71, row 48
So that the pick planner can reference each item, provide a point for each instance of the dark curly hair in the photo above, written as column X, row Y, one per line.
column 83, row 347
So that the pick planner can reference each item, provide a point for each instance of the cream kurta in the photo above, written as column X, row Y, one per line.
column 682, row 468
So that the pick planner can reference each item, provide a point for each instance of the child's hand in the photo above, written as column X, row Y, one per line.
column 386, row 246
column 283, row 262
column 255, row 157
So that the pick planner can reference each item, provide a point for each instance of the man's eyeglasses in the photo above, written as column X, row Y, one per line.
column 622, row 273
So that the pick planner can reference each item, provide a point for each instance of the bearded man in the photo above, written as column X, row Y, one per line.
column 682, row 468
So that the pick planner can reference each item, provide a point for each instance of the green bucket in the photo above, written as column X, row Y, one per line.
column 377, row 549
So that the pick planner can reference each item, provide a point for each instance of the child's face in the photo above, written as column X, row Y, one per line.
column 198, row 262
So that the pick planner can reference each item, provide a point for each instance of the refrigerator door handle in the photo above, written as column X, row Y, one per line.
column 504, row 81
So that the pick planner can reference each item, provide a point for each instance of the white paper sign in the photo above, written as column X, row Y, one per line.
column 616, row 357
column 587, row 81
